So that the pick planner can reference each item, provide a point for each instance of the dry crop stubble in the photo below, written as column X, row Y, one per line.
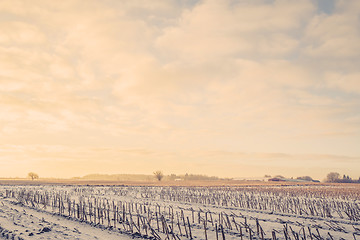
column 178, row 212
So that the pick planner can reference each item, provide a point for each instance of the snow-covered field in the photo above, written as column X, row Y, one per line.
column 114, row 212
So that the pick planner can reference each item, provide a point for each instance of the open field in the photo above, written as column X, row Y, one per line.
column 243, row 211
column 200, row 183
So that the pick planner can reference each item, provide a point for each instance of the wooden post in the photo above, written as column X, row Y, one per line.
column 157, row 221
column 310, row 233
column 273, row 235
column 178, row 223
column 222, row 232
column 189, row 227
column 205, row 230
column 216, row 231
column 183, row 217
column 192, row 215
column 115, row 214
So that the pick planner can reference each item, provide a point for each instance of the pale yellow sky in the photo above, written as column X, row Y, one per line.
column 219, row 87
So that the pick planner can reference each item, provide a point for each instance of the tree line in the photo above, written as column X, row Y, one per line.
column 335, row 177
column 159, row 175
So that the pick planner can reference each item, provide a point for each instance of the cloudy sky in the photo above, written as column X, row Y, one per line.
column 232, row 88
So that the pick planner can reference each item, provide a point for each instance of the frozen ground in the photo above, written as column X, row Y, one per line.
column 54, row 212
column 21, row 222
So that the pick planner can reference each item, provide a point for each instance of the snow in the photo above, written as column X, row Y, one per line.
column 26, row 223
column 26, row 219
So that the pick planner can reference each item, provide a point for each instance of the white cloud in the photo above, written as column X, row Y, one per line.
column 20, row 33
column 252, row 76
column 335, row 36
column 214, row 29
column 348, row 83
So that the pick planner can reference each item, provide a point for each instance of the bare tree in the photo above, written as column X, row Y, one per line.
column 33, row 175
column 332, row 177
column 159, row 175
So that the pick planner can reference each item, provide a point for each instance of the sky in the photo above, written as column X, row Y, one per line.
column 231, row 88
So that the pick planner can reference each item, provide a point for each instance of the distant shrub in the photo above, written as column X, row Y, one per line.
column 306, row 178
column 279, row 176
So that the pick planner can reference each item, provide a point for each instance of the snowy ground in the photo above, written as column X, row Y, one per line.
column 28, row 219
column 20, row 222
